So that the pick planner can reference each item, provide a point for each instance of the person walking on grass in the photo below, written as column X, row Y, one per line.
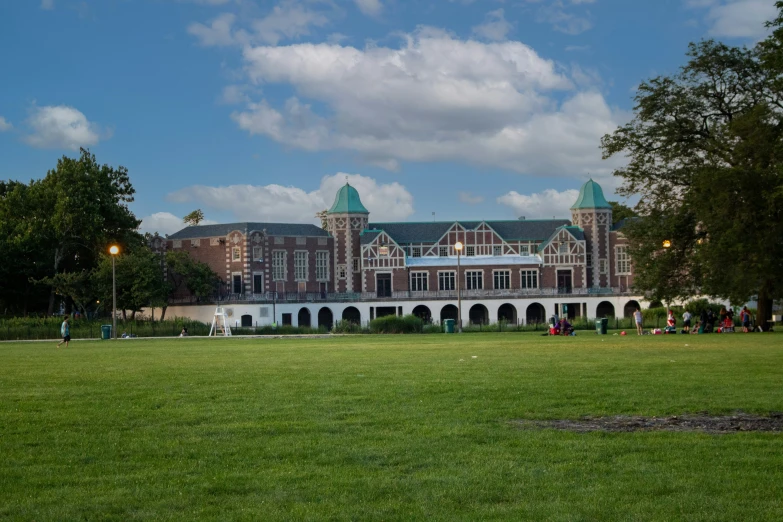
column 65, row 331
column 638, row 316
column 686, row 321
column 745, row 319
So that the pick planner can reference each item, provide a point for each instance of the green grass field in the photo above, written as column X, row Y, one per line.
column 385, row 428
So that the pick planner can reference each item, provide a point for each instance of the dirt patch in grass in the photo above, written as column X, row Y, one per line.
column 703, row 422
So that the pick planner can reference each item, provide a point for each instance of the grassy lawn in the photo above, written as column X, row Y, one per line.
column 385, row 428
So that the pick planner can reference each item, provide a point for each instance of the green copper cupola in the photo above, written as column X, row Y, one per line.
column 347, row 201
column 590, row 196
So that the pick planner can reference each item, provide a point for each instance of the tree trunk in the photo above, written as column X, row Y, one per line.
column 163, row 313
column 764, row 309
column 124, row 315
column 133, row 315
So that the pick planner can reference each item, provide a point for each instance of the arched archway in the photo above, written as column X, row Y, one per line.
column 325, row 318
column 448, row 312
column 423, row 313
column 508, row 313
column 303, row 318
column 604, row 309
column 247, row 320
column 535, row 313
column 630, row 308
column 352, row 315
column 478, row 314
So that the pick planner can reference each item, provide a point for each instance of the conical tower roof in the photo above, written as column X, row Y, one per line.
column 347, row 201
column 591, row 196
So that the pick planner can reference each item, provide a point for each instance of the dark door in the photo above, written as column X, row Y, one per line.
column 237, row 284
column 564, row 282
column 383, row 285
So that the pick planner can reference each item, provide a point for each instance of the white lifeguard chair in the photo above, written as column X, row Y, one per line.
column 220, row 322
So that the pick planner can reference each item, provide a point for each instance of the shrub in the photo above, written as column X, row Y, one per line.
column 393, row 324
column 344, row 326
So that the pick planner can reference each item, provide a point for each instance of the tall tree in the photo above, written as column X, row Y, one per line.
column 194, row 218
column 139, row 278
column 705, row 155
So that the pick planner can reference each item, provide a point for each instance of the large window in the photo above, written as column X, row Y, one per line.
column 497, row 250
column 446, row 281
column 502, row 279
column 470, row 251
column 529, row 279
column 237, row 283
column 443, row 251
column 258, row 253
column 322, row 265
column 622, row 260
column 300, row 265
column 279, row 265
column 474, row 279
column 419, row 281
column 236, row 254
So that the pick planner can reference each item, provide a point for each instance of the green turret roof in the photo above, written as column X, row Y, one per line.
column 347, row 201
column 591, row 196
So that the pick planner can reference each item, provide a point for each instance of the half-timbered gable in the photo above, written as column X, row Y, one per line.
column 565, row 247
column 380, row 250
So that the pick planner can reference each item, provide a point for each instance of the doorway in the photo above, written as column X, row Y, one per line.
column 383, row 285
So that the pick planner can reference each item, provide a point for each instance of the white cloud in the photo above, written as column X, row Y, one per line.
column 546, row 204
column 737, row 18
column 369, row 7
column 165, row 223
column 434, row 98
column 234, row 94
column 217, row 33
column 470, row 199
column 562, row 19
column 5, row 124
column 276, row 203
column 47, row 5
column 287, row 20
column 495, row 26
column 61, row 127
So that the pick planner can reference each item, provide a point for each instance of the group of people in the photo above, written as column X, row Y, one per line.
column 562, row 327
column 705, row 323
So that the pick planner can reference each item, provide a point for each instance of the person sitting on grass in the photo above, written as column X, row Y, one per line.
column 65, row 331
column 184, row 332
column 564, row 327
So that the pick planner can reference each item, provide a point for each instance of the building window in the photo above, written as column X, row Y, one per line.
column 502, row 279
column 415, row 251
column 419, row 281
column 356, row 265
column 443, row 251
column 497, row 250
column 177, row 243
column 622, row 260
column 446, row 280
column 342, row 272
column 195, row 242
column 383, row 250
column 214, row 241
column 258, row 253
column 524, row 250
column 602, row 266
column 300, row 266
column 279, row 269
column 474, row 279
column 589, row 260
column 322, row 266
column 529, row 279
column 258, row 283
column 563, row 248
column 237, row 283
column 470, row 251
column 236, row 254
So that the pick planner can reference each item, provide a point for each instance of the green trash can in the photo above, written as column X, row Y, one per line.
column 601, row 325
column 449, row 325
column 105, row 331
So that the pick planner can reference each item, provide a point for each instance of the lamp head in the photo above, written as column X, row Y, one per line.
column 114, row 250
column 458, row 246
column 667, row 243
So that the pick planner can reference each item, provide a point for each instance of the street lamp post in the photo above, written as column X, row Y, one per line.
column 114, row 250
column 458, row 248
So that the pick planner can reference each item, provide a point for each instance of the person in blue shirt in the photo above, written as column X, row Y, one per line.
column 65, row 331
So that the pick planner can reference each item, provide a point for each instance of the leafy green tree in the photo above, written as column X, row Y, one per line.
column 139, row 278
column 185, row 272
column 194, row 218
column 705, row 156
column 322, row 216
column 621, row 212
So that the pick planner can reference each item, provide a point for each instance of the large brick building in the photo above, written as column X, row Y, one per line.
column 516, row 270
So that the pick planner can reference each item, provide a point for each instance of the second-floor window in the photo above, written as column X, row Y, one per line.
column 474, row 279
column 470, row 251
column 258, row 253
column 602, row 266
column 419, row 281
column 622, row 260
column 236, row 254
column 415, row 251
column 446, row 281
column 502, row 279
column 322, row 265
column 279, row 265
column 443, row 251
column 529, row 279
column 497, row 250
column 300, row 266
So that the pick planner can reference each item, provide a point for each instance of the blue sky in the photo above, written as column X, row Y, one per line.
column 260, row 110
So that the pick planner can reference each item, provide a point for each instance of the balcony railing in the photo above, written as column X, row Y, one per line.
column 312, row 297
